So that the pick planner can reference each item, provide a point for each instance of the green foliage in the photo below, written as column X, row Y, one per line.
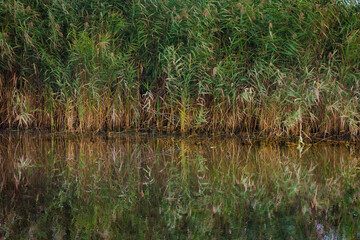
column 262, row 67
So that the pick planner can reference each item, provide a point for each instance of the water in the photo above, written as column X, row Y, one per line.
column 163, row 187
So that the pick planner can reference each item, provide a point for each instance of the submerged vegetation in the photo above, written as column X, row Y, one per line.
column 171, row 188
column 270, row 68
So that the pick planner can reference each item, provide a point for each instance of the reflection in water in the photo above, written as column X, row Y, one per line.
column 167, row 187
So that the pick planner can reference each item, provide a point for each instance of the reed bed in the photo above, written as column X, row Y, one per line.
column 140, row 188
column 267, row 68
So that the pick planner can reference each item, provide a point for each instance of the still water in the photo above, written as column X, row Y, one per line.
column 166, row 187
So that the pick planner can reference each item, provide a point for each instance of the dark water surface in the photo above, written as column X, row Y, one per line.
column 146, row 187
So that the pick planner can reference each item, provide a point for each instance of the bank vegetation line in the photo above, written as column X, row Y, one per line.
column 270, row 68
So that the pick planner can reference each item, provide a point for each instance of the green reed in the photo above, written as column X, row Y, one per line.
column 274, row 69
column 136, row 187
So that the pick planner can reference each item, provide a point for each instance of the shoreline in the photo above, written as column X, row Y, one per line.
column 243, row 138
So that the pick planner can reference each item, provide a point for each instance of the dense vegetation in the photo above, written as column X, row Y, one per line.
column 272, row 68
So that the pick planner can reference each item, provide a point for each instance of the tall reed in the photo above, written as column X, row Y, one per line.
column 275, row 69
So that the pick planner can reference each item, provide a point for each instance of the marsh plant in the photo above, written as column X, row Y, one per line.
column 161, row 188
column 270, row 68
